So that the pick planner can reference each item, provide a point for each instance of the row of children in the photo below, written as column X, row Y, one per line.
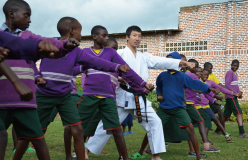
column 97, row 112
column 53, row 81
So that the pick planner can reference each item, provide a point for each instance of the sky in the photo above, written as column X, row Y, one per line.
column 115, row 15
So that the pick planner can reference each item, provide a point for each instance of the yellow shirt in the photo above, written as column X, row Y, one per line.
column 190, row 103
column 198, row 107
column 97, row 52
column 212, row 77
column 204, row 107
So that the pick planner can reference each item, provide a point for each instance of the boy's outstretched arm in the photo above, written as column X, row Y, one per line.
column 64, row 47
column 87, row 60
column 157, row 62
column 198, row 85
column 26, row 94
column 26, row 48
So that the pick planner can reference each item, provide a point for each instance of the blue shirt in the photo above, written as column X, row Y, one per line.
column 172, row 88
column 5, row 28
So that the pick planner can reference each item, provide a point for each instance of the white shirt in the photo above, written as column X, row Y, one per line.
column 141, row 65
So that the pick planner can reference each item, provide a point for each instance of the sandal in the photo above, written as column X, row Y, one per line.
column 147, row 151
column 137, row 156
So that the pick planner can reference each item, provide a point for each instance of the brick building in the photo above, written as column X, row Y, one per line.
column 216, row 32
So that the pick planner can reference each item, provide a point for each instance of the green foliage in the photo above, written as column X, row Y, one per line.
column 153, row 98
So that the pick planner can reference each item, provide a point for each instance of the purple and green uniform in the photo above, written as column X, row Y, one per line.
column 98, row 83
column 74, row 93
column 23, row 115
column 57, row 90
column 215, row 108
column 232, row 104
column 172, row 87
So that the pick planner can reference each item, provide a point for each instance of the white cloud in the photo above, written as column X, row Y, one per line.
column 115, row 15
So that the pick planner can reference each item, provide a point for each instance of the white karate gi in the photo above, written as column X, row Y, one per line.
column 154, row 128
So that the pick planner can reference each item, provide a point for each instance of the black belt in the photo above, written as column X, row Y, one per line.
column 136, row 98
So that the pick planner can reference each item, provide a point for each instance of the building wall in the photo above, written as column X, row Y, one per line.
column 223, row 25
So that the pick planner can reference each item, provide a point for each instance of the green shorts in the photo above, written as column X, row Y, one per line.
column 2, row 125
column 107, row 110
column 194, row 114
column 75, row 98
column 25, row 121
column 90, row 129
column 172, row 132
column 232, row 106
column 65, row 105
column 206, row 118
column 180, row 115
column 214, row 107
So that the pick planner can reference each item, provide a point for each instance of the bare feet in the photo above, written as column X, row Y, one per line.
column 156, row 157
column 86, row 153
column 103, row 152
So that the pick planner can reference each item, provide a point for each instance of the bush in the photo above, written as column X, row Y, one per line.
column 153, row 98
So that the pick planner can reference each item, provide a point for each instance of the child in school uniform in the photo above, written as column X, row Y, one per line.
column 215, row 108
column 54, row 82
column 206, row 107
column 13, row 110
column 96, row 95
column 170, row 91
column 232, row 104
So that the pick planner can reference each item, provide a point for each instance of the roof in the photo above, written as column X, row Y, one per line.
column 169, row 31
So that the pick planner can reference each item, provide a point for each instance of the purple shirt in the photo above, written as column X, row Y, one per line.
column 25, row 71
column 231, row 82
column 19, row 48
column 190, row 94
column 214, row 85
column 99, row 83
column 59, row 76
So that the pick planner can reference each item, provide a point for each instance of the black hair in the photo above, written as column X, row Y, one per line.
column 95, row 30
column 14, row 5
column 182, row 56
column 235, row 61
column 65, row 24
column 111, row 39
column 193, row 61
column 208, row 65
column 199, row 67
column 132, row 28
column 205, row 70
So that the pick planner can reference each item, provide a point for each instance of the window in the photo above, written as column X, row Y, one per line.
column 141, row 47
column 186, row 46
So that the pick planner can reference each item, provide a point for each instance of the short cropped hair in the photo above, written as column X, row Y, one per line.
column 14, row 5
column 182, row 56
column 132, row 28
column 95, row 30
column 193, row 61
column 207, row 65
column 65, row 24
column 235, row 61
column 111, row 39
column 205, row 70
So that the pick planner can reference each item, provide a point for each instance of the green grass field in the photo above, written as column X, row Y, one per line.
column 175, row 151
